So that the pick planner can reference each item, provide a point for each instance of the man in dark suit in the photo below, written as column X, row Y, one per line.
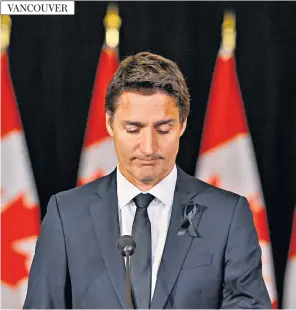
column 196, row 245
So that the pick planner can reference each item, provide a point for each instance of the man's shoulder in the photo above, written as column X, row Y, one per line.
column 197, row 185
column 210, row 195
column 82, row 195
column 220, row 204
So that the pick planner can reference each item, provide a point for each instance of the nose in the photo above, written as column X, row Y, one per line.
column 148, row 141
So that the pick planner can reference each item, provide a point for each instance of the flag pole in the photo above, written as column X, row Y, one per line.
column 228, row 43
column 5, row 32
column 112, row 23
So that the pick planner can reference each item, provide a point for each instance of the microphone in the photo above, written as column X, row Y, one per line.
column 126, row 246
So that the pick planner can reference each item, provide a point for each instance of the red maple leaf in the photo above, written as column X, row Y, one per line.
column 215, row 180
column 97, row 174
column 274, row 305
column 258, row 210
column 260, row 217
column 19, row 222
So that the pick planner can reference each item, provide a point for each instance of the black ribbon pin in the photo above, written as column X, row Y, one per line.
column 191, row 210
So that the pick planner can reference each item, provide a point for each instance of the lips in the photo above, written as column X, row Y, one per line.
column 147, row 162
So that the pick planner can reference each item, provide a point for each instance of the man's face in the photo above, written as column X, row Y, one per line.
column 146, row 130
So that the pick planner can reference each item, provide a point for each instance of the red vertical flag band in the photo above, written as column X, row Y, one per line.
column 20, row 220
column 98, row 157
column 227, row 159
column 289, row 297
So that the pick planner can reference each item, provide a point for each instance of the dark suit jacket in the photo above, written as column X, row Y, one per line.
column 77, row 264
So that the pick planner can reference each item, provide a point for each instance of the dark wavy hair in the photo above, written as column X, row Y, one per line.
column 147, row 74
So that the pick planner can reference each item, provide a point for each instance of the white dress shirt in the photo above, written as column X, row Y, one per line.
column 159, row 212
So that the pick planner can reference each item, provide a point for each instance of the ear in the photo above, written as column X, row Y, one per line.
column 184, row 125
column 109, row 124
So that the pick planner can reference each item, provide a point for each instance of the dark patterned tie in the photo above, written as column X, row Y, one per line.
column 141, row 269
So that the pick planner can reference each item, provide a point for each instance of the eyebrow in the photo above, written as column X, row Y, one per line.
column 134, row 123
column 156, row 124
column 164, row 122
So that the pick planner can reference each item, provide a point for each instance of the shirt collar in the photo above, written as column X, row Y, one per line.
column 163, row 191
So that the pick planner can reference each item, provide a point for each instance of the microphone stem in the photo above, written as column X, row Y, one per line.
column 128, row 284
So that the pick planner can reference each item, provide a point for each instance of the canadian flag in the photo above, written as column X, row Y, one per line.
column 227, row 159
column 20, row 217
column 98, row 157
column 289, row 300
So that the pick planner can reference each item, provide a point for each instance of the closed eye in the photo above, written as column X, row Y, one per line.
column 133, row 131
column 161, row 127
column 163, row 132
column 164, row 128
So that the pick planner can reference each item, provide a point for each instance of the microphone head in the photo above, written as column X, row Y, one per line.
column 126, row 245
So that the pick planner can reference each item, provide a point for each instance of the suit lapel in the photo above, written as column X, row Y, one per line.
column 104, row 214
column 175, row 251
column 176, row 247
